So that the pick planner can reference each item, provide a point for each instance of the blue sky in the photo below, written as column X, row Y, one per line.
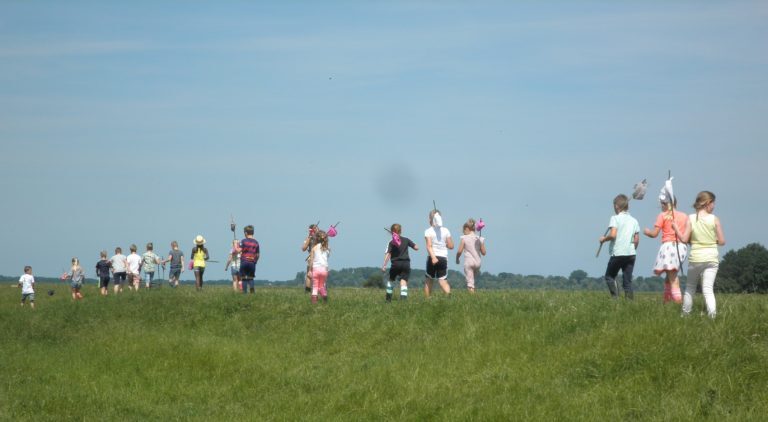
column 132, row 122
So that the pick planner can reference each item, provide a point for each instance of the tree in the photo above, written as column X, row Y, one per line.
column 578, row 275
column 374, row 280
column 744, row 270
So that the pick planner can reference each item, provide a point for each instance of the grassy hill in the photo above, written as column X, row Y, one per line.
column 500, row 355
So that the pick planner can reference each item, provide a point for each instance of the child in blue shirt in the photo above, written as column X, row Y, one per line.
column 624, row 237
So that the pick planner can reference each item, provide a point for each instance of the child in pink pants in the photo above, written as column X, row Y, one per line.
column 472, row 246
column 319, row 259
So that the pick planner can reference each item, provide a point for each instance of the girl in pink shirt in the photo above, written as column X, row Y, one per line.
column 669, row 258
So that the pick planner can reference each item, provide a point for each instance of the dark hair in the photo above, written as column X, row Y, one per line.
column 150, row 246
column 248, row 229
column 118, row 250
column 133, row 248
column 27, row 269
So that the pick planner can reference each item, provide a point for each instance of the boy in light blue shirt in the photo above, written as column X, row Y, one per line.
column 624, row 237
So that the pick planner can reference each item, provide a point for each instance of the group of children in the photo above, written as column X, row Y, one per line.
column 701, row 230
column 438, row 242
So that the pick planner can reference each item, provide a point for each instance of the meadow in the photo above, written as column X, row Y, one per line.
column 171, row 354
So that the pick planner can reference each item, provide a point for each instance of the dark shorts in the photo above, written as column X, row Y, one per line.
column 199, row 270
column 25, row 296
column 175, row 273
column 401, row 269
column 437, row 271
column 103, row 282
column 247, row 270
column 119, row 278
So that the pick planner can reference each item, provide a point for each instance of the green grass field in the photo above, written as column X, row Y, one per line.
column 500, row 355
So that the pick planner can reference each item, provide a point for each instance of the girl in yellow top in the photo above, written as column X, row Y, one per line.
column 199, row 256
column 704, row 233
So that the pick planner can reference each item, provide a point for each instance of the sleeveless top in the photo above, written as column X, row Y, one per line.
column 703, row 239
column 199, row 257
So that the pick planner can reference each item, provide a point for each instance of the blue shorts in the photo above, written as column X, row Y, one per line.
column 175, row 273
column 76, row 285
column 104, row 282
column 247, row 270
column 235, row 271
column 25, row 296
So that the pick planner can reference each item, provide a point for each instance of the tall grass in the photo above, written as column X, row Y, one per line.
column 520, row 355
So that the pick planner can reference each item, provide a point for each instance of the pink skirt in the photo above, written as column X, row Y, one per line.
column 667, row 259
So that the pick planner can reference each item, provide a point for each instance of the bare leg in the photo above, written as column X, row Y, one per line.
column 674, row 282
column 427, row 286
column 445, row 286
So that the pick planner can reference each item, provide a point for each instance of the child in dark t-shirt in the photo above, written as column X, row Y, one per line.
column 397, row 252
column 103, row 268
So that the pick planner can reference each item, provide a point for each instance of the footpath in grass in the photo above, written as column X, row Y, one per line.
column 507, row 354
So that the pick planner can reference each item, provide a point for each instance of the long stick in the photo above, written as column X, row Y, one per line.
column 601, row 245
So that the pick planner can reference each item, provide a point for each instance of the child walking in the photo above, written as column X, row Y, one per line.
column 438, row 240
column 233, row 264
column 176, row 258
column 119, row 268
column 199, row 256
column 103, row 267
column 249, row 257
column 149, row 261
column 133, row 262
column 472, row 247
column 624, row 237
column 77, row 275
column 27, row 284
column 318, row 256
column 309, row 243
column 397, row 252
column 672, row 251
column 704, row 233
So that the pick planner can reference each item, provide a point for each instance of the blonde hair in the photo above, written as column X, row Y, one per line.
column 322, row 240
column 470, row 224
column 621, row 202
column 75, row 263
column 396, row 228
column 703, row 199
column 103, row 254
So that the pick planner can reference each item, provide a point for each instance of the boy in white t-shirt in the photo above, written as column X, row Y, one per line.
column 27, row 284
column 438, row 242
column 133, row 262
